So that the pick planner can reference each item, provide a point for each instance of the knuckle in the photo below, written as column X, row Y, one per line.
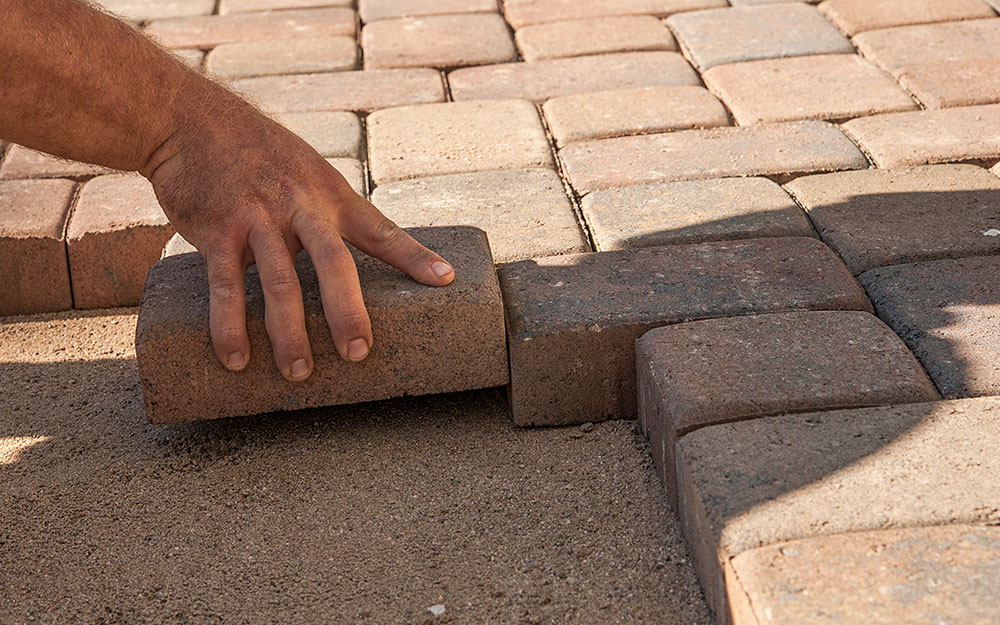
column 386, row 232
column 282, row 282
column 333, row 256
column 224, row 289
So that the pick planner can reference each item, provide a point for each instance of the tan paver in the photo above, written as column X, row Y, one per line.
column 193, row 58
column 227, row 7
column 455, row 137
column 524, row 212
column 372, row 10
column 542, row 80
column 586, row 116
column 140, row 10
column 437, row 41
column 855, row 16
column 750, row 33
column 344, row 91
column 21, row 162
column 832, row 87
column 522, row 13
column 924, row 137
column 283, row 56
column 353, row 171
column 692, row 211
column 332, row 134
column 211, row 30
column 763, row 150
column 627, row 33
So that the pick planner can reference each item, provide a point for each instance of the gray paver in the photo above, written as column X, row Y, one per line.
column 332, row 134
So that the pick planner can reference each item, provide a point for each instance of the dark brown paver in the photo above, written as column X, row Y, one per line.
column 372, row 10
column 283, row 56
column 331, row 133
column 21, row 162
column 427, row 339
column 878, row 217
column 599, row 35
column 437, row 41
column 211, row 30
column 855, row 16
column 572, row 321
column 524, row 12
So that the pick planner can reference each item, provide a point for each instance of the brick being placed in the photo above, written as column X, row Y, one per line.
column 426, row 339
column 572, row 321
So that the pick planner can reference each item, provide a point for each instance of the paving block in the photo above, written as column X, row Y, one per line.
column 600, row 35
column 193, row 58
column 344, row 91
column 692, row 211
column 750, row 33
column 211, row 30
column 542, row 80
column 779, row 149
column 34, row 276
column 587, row 116
column 21, row 162
column 455, row 137
column 115, row 234
column 142, row 10
column 522, row 13
column 525, row 212
column 372, row 10
column 829, row 86
column 572, row 321
column 353, row 171
column 767, row 481
column 283, row 56
column 427, row 339
column 924, row 137
column 880, row 217
column 227, row 7
column 437, row 41
column 919, row 576
column 177, row 245
column 720, row 370
column 332, row 134
column 855, row 16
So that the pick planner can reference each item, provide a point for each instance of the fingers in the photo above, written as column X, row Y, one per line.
column 227, row 308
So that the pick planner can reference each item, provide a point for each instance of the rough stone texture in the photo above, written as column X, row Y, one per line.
column 572, row 321
column 829, row 86
column 211, row 30
column 946, row 311
column 943, row 65
column 924, row 137
column 372, row 10
column 115, row 234
column 427, row 339
column 437, row 41
column 587, row 116
column 627, row 33
column 353, row 171
column 855, row 16
column 455, row 137
column 764, row 150
column 918, row 576
column 22, row 162
column 692, row 211
column 542, row 80
column 719, row 370
column 283, row 56
column 756, row 32
column 522, row 13
column 243, row 6
column 344, row 91
column 332, row 134
column 878, row 217
column 766, row 481
column 525, row 212
column 34, row 276
column 140, row 10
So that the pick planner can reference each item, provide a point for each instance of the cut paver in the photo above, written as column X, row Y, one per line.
column 34, row 275
column 525, row 212
column 243, row 6
column 692, row 211
column 587, row 116
column 21, row 162
column 455, row 137
column 332, row 134
column 919, row 576
column 855, row 16
column 352, row 170
column 283, row 56
column 344, row 91
column 764, row 150
column 720, row 370
column 572, row 321
column 542, row 80
column 880, row 217
column 756, row 32
column 372, row 10
column 946, row 311
column 427, row 339
column 766, row 481
column 437, row 41
column 627, row 33
column 140, row 10
column 525, row 12
column 924, row 137
column 115, row 234
column 211, row 30
column 829, row 86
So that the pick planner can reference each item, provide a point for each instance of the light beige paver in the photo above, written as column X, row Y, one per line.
column 140, row 10
column 692, row 211
column 923, row 137
column 437, row 41
column 762, row 150
column 353, row 171
column 244, row 6
column 283, row 56
column 524, row 12
column 524, row 212
column 627, row 33
column 332, row 134
column 855, row 16
column 372, row 10
column 832, row 87
column 542, row 80
column 211, row 30
column 455, row 137
column 192, row 57
column 21, row 162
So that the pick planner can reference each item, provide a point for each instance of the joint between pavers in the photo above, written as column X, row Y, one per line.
column 73, row 201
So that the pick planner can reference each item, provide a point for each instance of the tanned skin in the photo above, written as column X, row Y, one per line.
column 82, row 85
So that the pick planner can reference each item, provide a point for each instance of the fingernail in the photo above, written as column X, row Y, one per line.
column 357, row 349
column 441, row 268
column 300, row 369
column 236, row 361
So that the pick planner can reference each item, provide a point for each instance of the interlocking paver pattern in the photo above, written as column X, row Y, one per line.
column 372, row 10
column 283, row 56
column 212, row 30
column 332, row 134
column 524, row 12
column 855, row 16
column 437, row 41
column 627, row 33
